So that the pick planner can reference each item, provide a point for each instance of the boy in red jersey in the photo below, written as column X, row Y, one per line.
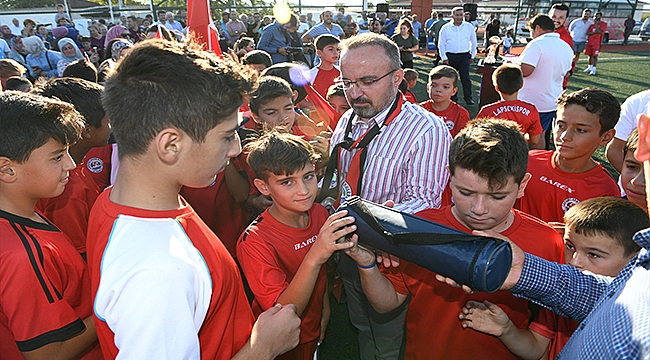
column 336, row 98
column 323, row 75
column 487, row 162
column 507, row 80
column 45, row 302
column 598, row 238
column 632, row 173
column 70, row 210
column 595, row 35
column 165, row 287
column 568, row 175
column 283, row 251
column 443, row 84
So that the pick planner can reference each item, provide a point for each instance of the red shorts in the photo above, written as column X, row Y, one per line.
column 592, row 50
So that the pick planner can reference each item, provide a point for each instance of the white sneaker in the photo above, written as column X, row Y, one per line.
column 593, row 71
column 587, row 70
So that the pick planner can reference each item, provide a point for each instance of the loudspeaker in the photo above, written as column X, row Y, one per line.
column 472, row 8
column 383, row 7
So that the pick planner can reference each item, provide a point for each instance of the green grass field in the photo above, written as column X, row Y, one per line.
column 621, row 73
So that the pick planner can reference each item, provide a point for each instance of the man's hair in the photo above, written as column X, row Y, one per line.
column 632, row 142
column 561, row 7
column 371, row 39
column 335, row 90
column 457, row 8
column 493, row 149
column 441, row 15
column 598, row 102
column 599, row 12
column 9, row 67
column 28, row 121
column 508, row 78
column 326, row 39
column 257, row 57
column 445, row 71
column 268, row 89
column 280, row 154
column 81, row 69
column 291, row 73
column 132, row 17
column 18, row 83
column 163, row 30
column 140, row 103
column 586, row 9
column 85, row 96
column 613, row 217
column 410, row 74
column 543, row 21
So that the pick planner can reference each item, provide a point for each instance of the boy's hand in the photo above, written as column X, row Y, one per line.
column 277, row 330
column 518, row 257
column 336, row 227
column 485, row 317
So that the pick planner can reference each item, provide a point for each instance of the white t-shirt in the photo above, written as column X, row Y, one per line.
column 633, row 106
column 578, row 29
column 4, row 49
column 303, row 28
column 16, row 30
column 552, row 58
column 507, row 42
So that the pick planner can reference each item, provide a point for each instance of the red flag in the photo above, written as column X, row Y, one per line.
column 325, row 111
column 199, row 21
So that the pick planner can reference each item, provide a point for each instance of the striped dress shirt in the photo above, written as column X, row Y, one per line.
column 406, row 161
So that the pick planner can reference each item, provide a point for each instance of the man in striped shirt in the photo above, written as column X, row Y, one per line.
column 387, row 149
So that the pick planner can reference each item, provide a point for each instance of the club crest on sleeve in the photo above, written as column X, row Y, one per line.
column 95, row 165
column 568, row 203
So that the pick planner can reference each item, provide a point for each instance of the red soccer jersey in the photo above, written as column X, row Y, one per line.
column 551, row 191
column 555, row 327
column 523, row 113
column 270, row 254
column 455, row 116
column 128, row 248
column 324, row 79
column 219, row 210
column 595, row 40
column 410, row 97
column 433, row 329
column 98, row 162
column 565, row 35
column 70, row 210
column 44, row 287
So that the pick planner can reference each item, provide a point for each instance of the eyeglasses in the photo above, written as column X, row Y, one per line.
column 364, row 82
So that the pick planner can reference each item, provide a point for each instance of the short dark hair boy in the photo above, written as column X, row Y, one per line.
column 164, row 145
column 268, row 88
column 324, row 40
column 293, row 238
column 487, row 161
column 442, row 86
column 35, row 133
column 632, row 173
column 569, row 175
column 439, row 72
column 82, row 69
column 18, row 83
column 257, row 57
column 70, row 210
column 508, row 80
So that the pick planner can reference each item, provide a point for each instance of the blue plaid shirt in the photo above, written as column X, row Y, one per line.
column 614, row 313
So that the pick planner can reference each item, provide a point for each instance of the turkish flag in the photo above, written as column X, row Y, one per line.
column 199, row 21
column 325, row 111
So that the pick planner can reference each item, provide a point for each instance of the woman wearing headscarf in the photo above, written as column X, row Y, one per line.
column 18, row 52
column 69, row 53
column 40, row 61
column 7, row 36
column 117, row 49
column 114, row 33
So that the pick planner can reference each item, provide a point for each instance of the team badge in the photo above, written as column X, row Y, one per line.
column 346, row 191
column 95, row 165
column 450, row 124
column 568, row 203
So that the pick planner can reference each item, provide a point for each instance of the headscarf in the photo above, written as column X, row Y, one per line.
column 117, row 47
column 8, row 36
column 34, row 45
column 77, row 55
column 17, row 44
column 60, row 31
column 113, row 33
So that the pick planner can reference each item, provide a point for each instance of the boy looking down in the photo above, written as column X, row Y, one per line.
column 568, row 175
column 487, row 162
column 598, row 239
column 164, row 285
column 283, row 251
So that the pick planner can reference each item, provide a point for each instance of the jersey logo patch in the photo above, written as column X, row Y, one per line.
column 95, row 165
column 568, row 203
column 450, row 125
